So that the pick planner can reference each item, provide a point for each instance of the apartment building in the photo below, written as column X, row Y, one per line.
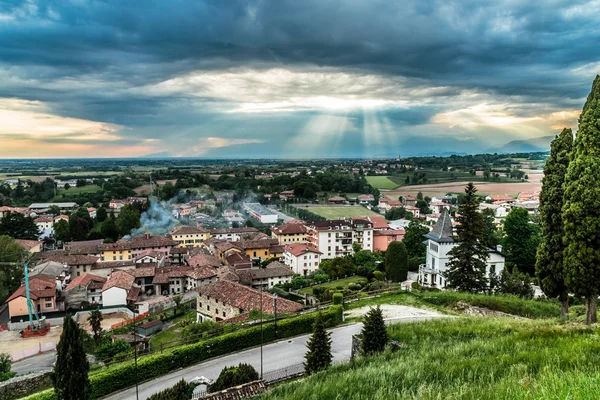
column 334, row 238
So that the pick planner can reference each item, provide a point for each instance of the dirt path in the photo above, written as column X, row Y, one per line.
column 396, row 312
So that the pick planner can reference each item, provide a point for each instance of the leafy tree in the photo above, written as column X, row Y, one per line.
column 374, row 334
column 70, row 373
column 550, row 267
column 338, row 267
column 413, row 239
column 397, row 213
column 129, row 219
column 234, row 376
column 249, row 224
column 54, row 210
column 19, row 226
column 10, row 275
column 521, row 240
column 396, row 262
column 491, row 235
column 67, row 186
column 581, row 209
column 78, row 228
column 107, row 349
column 5, row 363
column 467, row 263
column 177, row 300
column 516, row 283
column 95, row 320
column 101, row 214
column 109, row 229
column 318, row 357
column 62, row 231
column 299, row 282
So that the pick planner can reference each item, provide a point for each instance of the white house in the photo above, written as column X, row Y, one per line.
column 303, row 259
column 119, row 290
column 439, row 242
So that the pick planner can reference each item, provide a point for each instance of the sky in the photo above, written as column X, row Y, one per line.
column 288, row 78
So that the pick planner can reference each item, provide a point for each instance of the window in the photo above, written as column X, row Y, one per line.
column 440, row 281
column 223, row 313
column 84, row 269
column 48, row 305
column 493, row 269
column 208, row 308
column 199, row 304
column 254, row 254
column 433, row 246
column 216, row 310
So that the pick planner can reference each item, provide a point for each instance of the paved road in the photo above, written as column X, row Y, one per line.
column 39, row 363
column 275, row 356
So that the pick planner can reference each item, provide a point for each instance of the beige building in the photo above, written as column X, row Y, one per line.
column 189, row 236
column 289, row 233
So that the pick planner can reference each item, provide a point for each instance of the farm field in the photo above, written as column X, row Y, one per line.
column 486, row 188
column 76, row 190
column 468, row 359
column 331, row 212
column 381, row 182
column 145, row 189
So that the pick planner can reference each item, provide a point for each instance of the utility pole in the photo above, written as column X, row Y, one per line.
column 275, row 312
column 135, row 356
column 261, row 333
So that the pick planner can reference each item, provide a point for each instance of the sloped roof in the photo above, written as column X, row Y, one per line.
column 442, row 230
column 298, row 249
column 289, row 229
column 85, row 280
column 141, row 272
column 204, row 260
column 120, row 279
column 188, row 230
column 245, row 298
column 204, row 272
column 39, row 286
column 272, row 270
column 73, row 259
column 28, row 244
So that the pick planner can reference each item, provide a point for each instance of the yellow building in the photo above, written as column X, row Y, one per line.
column 289, row 233
column 116, row 252
column 189, row 236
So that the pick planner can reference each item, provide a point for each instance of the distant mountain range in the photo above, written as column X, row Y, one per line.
column 524, row 146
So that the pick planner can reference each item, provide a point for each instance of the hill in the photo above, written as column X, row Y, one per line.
column 525, row 146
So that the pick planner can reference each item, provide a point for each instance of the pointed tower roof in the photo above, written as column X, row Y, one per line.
column 442, row 230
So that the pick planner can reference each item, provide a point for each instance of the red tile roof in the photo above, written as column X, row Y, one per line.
column 378, row 221
column 120, row 279
column 39, row 286
column 141, row 272
column 85, row 280
column 188, row 230
column 298, row 249
column 28, row 244
column 204, row 272
column 73, row 259
column 245, row 298
column 289, row 229
column 204, row 260
column 147, row 241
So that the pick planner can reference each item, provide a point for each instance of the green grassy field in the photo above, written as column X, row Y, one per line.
column 331, row 285
column 467, row 359
column 436, row 176
column 382, row 182
column 341, row 212
column 76, row 190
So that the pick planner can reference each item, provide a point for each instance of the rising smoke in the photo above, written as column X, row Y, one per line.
column 158, row 219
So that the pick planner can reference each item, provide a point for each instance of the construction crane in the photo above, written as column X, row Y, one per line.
column 39, row 326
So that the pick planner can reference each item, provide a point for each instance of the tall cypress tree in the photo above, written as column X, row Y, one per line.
column 318, row 356
column 581, row 209
column 467, row 264
column 374, row 334
column 70, row 374
column 549, row 267
column 396, row 262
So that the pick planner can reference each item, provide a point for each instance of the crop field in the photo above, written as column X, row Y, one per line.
column 467, row 359
column 381, row 182
column 331, row 212
column 76, row 190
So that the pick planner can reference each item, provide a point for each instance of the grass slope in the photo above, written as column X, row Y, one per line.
column 382, row 182
column 467, row 358
column 341, row 212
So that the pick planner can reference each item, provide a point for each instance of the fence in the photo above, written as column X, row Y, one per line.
column 269, row 378
column 32, row 351
column 128, row 321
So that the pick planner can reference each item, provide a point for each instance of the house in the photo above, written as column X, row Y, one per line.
column 258, row 249
column 139, row 244
column 438, row 206
column 383, row 237
column 288, row 194
column 119, row 290
column 150, row 327
column 78, row 264
column 200, row 276
column 43, row 295
column 365, row 199
column 238, row 260
column 5, row 210
column 302, row 259
column 84, row 289
column 204, row 260
column 52, row 269
column 291, row 232
column 231, row 234
column 410, row 200
column 265, row 278
column 261, row 213
column 439, row 242
column 119, row 251
column 189, row 236
column 143, row 278
column 225, row 299
column 150, row 257
column 86, row 247
column 171, row 280
column 379, row 222
column 33, row 246
column 415, row 211
column 504, row 198
column 106, row 268
column 92, row 211
column 336, row 200
column 45, row 226
column 334, row 238
column 500, row 211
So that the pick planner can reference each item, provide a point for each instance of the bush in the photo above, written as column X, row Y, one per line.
column 234, row 376
column 195, row 329
column 378, row 275
column 106, row 350
column 180, row 391
column 320, row 278
column 338, row 298
column 354, row 286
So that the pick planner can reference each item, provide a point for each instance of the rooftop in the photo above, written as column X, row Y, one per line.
column 442, row 231
column 298, row 249
column 188, row 230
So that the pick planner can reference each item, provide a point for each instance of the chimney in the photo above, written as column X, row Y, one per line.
column 499, row 248
column 147, row 235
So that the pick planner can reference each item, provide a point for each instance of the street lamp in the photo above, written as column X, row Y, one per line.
column 135, row 356
column 275, row 312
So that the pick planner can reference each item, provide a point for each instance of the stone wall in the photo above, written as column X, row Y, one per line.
column 24, row 385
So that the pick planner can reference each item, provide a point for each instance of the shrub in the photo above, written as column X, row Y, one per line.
column 234, row 376
column 107, row 350
column 354, row 286
column 194, row 329
column 378, row 275
column 338, row 298
column 320, row 278
column 180, row 391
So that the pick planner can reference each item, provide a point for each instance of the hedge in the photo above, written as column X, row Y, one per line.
column 123, row 375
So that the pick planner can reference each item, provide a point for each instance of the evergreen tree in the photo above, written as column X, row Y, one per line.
column 396, row 262
column 581, row 209
column 491, row 236
column 550, row 268
column 374, row 334
column 515, row 283
column 101, row 214
column 521, row 240
column 95, row 320
column 70, row 374
column 467, row 263
column 318, row 356
column 234, row 376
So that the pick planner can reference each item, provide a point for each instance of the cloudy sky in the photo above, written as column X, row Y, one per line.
column 288, row 78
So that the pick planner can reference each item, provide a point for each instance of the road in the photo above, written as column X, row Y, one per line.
column 39, row 363
column 276, row 355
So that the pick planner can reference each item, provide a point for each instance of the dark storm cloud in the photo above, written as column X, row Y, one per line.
column 89, row 59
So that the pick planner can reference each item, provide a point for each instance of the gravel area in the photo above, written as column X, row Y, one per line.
column 396, row 312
